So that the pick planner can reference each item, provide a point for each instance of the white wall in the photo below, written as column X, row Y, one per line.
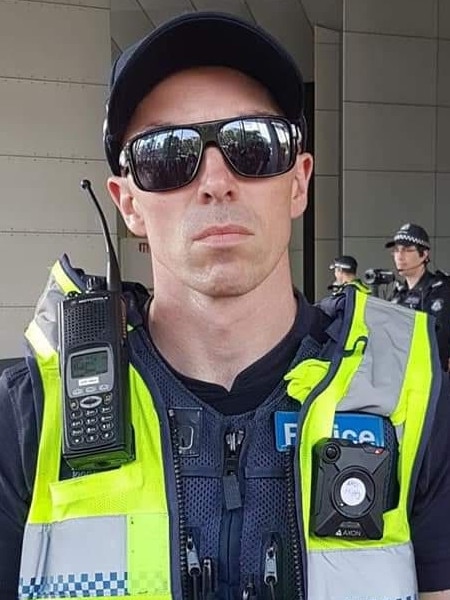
column 54, row 64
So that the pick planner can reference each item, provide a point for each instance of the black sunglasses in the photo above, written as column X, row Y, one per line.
column 168, row 158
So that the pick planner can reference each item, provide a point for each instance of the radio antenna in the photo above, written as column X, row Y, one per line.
column 113, row 280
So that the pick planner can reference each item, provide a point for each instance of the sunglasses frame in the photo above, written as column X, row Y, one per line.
column 209, row 132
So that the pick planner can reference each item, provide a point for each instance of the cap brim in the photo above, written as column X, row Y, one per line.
column 405, row 243
column 201, row 39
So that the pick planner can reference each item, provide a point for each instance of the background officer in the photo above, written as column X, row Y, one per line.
column 345, row 269
column 421, row 289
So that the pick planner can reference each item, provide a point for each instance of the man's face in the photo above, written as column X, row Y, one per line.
column 406, row 258
column 338, row 276
column 222, row 234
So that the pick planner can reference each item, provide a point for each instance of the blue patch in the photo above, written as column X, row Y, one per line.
column 357, row 427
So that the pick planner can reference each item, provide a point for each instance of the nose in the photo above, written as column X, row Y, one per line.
column 217, row 182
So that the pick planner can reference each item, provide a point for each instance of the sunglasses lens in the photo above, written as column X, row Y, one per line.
column 257, row 147
column 166, row 159
column 254, row 146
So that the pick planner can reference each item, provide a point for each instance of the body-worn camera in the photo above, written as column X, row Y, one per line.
column 378, row 276
column 351, row 485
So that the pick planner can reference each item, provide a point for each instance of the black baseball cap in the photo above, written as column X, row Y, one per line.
column 346, row 263
column 410, row 235
column 198, row 39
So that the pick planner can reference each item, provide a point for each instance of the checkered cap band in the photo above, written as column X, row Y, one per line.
column 400, row 238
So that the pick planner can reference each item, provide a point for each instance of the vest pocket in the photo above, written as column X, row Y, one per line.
column 104, row 493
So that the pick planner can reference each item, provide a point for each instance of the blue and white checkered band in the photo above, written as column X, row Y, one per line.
column 401, row 238
column 82, row 585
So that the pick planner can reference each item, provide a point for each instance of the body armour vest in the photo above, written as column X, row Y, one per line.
column 210, row 509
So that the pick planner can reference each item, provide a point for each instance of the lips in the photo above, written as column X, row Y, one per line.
column 221, row 230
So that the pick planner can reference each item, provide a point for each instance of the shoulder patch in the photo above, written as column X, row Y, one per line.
column 437, row 305
column 437, row 284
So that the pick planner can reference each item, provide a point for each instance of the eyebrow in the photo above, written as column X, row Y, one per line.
column 159, row 124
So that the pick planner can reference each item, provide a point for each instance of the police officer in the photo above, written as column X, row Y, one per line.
column 345, row 268
column 216, row 505
column 421, row 289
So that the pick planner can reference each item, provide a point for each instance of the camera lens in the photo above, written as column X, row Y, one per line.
column 332, row 452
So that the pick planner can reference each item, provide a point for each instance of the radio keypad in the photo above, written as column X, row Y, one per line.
column 92, row 420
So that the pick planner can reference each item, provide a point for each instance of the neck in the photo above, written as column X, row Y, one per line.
column 214, row 339
column 348, row 278
column 413, row 277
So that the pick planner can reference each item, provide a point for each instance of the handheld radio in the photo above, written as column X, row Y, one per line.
column 97, row 431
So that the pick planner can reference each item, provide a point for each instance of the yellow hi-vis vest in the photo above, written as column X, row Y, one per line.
column 108, row 533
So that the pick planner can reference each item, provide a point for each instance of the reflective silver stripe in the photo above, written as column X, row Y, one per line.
column 377, row 384
column 366, row 574
column 69, row 549
column 45, row 312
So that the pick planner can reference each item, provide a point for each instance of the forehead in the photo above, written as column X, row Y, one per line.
column 407, row 247
column 201, row 94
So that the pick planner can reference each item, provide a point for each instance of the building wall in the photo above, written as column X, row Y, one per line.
column 396, row 125
column 392, row 123
column 54, row 61
column 328, row 112
column 382, row 131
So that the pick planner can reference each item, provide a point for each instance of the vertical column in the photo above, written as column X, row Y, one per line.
column 292, row 29
column 390, row 122
column 54, row 64
column 442, row 230
column 327, row 156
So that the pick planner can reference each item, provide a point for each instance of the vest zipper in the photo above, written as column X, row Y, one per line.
column 294, row 539
column 271, row 569
column 193, row 567
column 233, row 441
column 182, row 532
column 233, row 445
column 249, row 592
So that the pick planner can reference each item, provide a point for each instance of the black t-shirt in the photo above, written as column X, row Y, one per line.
column 21, row 418
column 255, row 383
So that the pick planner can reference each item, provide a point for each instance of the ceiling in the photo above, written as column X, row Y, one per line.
column 291, row 21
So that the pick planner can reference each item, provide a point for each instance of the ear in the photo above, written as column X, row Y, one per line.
column 302, row 174
column 127, row 205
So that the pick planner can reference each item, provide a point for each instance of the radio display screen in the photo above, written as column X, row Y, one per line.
column 89, row 364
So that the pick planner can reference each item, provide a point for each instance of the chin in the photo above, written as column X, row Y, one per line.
column 226, row 291
column 227, row 287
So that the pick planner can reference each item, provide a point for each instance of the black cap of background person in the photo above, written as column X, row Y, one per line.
column 410, row 235
column 198, row 39
column 346, row 263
